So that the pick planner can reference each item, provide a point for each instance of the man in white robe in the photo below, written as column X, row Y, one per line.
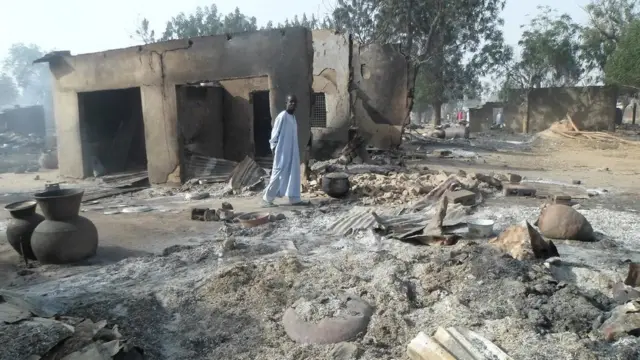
column 285, row 175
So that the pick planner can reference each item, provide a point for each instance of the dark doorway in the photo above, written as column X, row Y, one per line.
column 112, row 130
column 261, row 123
column 200, row 128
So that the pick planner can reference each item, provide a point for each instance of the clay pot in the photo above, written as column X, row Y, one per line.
column 63, row 242
column 20, row 228
column 559, row 221
column 336, row 185
column 60, row 204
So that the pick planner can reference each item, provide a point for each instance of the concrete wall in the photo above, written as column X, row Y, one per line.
column 331, row 52
column 285, row 56
column 380, row 78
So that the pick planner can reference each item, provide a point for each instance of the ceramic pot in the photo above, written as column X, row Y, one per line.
column 60, row 204
column 20, row 228
column 336, row 185
column 64, row 242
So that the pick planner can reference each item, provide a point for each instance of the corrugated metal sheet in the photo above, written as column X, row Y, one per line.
column 247, row 173
column 213, row 169
column 399, row 224
column 124, row 179
column 265, row 162
column 358, row 218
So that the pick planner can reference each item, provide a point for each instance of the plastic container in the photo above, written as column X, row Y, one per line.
column 480, row 228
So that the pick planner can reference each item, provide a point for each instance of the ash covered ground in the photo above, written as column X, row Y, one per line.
column 225, row 298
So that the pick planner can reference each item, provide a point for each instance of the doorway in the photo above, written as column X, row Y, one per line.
column 200, row 128
column 112, row 127
column 261, row 123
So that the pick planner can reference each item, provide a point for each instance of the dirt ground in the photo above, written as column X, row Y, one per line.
column 210, row 300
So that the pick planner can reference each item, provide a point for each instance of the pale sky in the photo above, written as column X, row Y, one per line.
column 83, row 26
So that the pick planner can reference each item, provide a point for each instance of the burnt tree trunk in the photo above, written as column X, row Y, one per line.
column 437, row 113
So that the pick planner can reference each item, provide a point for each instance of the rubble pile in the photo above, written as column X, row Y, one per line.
column 405, row 187
column 11, row 142
column 29, row 331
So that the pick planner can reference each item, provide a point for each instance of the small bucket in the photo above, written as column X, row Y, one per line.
column 480, row 228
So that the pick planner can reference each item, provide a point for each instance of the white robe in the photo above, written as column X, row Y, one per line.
column 285, row 175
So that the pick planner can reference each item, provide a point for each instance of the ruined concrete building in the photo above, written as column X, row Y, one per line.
column 155, row 105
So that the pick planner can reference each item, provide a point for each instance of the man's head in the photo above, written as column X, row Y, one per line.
column 292, row 103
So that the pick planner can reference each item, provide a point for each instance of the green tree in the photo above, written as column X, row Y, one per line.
column 550, row 53
column 311, row 22
column 623, row 66
column 435, row 37
column 608, row 20
column 33, row 81
column 203, row 21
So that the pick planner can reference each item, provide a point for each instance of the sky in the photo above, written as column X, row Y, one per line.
column 82, row 26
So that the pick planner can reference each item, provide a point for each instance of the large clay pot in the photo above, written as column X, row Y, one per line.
column 560, row 221
column 64, row 237
column 20, row 228
column 63, row 242
column 336, row 185
column 60, row 204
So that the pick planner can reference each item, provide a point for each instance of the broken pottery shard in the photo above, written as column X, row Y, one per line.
column 523, row 242
column 559, row 221
column 633, row 277
column 624, row 321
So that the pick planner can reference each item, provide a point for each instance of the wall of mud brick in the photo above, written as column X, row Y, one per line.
column 380, row 92
column 157, row 68
column 591, row 108
column 377, row 103
column 24, row 120
column 331, row 52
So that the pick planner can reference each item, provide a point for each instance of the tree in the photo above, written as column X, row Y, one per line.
column 203, row 22
column 358, row 17
column 608, row 20
column 435, row 36
column 312, row 23
column 623, row 66
column 550, row 53
column 8, row 90
column 33, row 81
column 144, row 32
